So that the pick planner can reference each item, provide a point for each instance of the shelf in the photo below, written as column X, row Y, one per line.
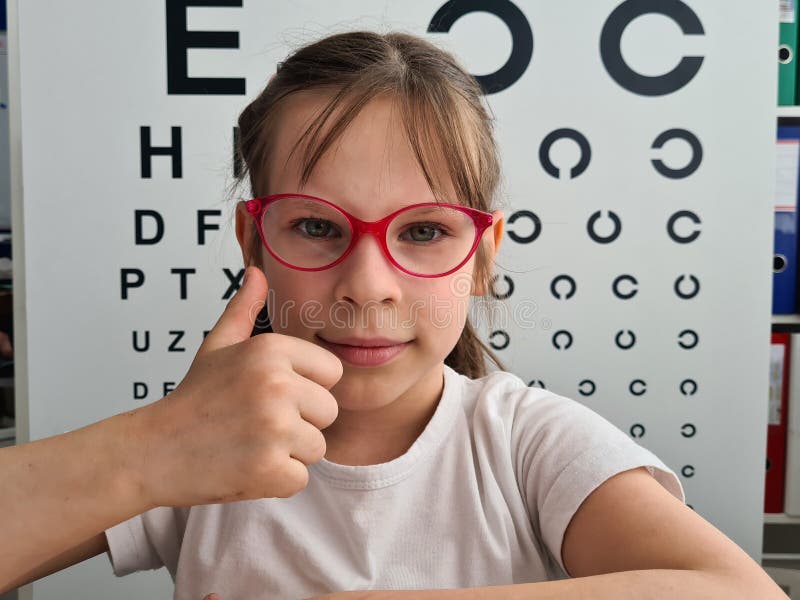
column 780, row 519
column 778, row 556
column 786, row 323
column 789, row 111
column 785, row 319
column 8, row 433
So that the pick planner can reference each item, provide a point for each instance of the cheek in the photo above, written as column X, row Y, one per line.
column 295, row 300
column 443, row 307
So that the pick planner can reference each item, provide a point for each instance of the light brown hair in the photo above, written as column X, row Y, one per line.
column 444, row 118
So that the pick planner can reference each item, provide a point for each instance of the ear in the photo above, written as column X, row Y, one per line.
column 491, row 243
column 244, row 232
column 498, row 222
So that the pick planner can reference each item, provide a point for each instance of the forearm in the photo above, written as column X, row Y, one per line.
column 60, row 491
column 653, row 584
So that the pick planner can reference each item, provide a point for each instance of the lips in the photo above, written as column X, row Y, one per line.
column 377, row 342
column 365, row 356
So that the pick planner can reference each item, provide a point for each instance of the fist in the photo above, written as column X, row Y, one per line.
column 246, row 420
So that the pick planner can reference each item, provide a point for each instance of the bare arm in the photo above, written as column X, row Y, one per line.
column 187, row 449
column 60, row 495
column 83, row 551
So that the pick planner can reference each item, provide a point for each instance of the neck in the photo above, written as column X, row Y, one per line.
column 366, row 437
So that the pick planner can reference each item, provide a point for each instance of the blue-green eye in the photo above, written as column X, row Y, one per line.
column 426, row 232
column 315, row 228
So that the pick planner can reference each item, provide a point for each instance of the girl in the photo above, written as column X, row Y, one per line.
column 358, row 442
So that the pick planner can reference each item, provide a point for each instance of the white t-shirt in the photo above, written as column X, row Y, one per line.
column 483, row 497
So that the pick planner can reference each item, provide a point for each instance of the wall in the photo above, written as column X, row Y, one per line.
column 639, row 173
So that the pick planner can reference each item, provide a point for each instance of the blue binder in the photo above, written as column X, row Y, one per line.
column 784, row 278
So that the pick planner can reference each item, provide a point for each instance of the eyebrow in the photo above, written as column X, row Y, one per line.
column 427, row 210
column 431, row 209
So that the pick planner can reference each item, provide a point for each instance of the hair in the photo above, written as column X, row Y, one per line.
column 442, row 110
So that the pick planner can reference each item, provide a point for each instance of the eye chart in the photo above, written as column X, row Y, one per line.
column 637, row 141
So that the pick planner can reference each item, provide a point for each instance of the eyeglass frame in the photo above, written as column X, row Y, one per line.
column 480, row 219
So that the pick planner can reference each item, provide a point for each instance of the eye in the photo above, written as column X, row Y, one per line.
column 426, row 232
column 315, row 228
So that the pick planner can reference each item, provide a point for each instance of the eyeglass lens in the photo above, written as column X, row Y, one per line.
column 428, row 240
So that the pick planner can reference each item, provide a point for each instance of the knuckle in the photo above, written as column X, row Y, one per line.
column 260, row 352
column 267, row 466
column 277, row 384
column 264, row 341
column 270, row 343
column 278, row 422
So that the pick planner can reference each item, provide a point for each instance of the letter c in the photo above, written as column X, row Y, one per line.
column 514, row 19
column 611, row 47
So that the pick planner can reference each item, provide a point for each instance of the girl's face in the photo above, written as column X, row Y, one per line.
column 370, row 172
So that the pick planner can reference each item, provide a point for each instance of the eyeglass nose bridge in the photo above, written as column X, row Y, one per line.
column 376, row 228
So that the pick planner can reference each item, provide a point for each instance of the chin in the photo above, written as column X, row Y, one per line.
column 364, row 389
column 360, row 401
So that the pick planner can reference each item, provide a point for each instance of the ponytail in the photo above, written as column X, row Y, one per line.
column 469, row 354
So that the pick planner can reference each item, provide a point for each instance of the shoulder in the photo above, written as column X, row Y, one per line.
column 532, row 424
column 504, row 398
column 556, row 443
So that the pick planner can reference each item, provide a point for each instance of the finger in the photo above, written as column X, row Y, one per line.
column 236, row 322
column 309, row 360
column 295, row 478
column 308, row 445
column 315, row 404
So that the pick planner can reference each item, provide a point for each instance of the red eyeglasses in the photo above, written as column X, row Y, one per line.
column 306, row 233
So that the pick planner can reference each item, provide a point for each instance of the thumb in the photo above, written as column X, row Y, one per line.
column 236, row 322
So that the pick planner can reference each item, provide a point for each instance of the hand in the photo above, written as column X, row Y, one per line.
column 245, row 421
column 6, row 351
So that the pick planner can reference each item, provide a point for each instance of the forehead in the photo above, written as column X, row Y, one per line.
column 370, row 169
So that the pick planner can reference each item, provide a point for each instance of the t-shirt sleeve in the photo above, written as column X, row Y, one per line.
column 150, row 540
column 564, row 451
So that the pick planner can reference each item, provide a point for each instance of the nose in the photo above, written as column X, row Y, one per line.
column 367, row 274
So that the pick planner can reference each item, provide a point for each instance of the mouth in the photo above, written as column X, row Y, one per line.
column 370, row 352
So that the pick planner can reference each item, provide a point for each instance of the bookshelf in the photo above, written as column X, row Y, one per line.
column 778, row 525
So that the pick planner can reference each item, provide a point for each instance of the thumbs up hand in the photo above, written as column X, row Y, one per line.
column 245, row 421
